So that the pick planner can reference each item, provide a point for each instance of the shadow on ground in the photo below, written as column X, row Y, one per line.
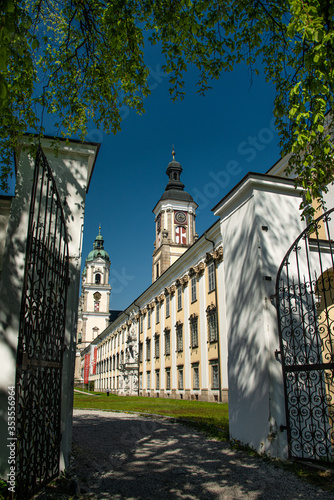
column 127, row 456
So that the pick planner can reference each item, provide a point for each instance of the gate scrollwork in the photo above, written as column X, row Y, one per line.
column 305, row 300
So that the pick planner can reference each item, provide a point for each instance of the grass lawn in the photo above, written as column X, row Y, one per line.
column 209, row 417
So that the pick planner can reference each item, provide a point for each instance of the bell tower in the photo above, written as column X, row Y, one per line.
column 175, row 215
column 93, row 315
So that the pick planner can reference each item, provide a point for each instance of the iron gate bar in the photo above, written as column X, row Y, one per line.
column 41, row 335
column 306, row 341
column 303, row 368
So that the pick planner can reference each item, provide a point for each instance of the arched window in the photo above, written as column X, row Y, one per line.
column 97, row 279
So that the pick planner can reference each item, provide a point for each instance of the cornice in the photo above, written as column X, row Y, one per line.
column 244, row 190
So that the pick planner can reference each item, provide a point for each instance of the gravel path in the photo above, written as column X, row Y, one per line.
column 125, row 456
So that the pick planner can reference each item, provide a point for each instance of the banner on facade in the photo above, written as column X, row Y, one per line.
column 94, row 361
column 86, row 368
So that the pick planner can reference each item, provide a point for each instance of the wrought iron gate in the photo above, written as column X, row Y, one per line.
column 305, row 300
column 41, row 336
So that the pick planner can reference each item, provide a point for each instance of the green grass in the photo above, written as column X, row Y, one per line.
column 209, row 417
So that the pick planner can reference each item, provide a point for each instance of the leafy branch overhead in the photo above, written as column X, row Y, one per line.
column 83, row 60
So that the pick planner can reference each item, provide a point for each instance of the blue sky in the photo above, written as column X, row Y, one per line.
column 217, row 138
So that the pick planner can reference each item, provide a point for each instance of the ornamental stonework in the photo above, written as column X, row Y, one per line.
column 211, row 308
column 199, row 268
column 218, row 254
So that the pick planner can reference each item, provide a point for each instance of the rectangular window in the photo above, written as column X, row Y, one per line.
column 157, row 346
column 168, row 379
column 212, row 327
column 179, row 298
column 141, row 324
column 180, row 378
column 148, row 380
column 196, row 377
column 215, row 376
column 167, row 305
column 157, row 379
column 194, row 333
column 140, row 381
column 179, row 338
column 167, row 342
column 157, row 313
column 211, row 273
column 148, row 350
column 140, row 352
column 149, row 318
column 193, row 289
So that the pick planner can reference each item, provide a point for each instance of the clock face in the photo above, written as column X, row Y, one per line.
column 180, row 217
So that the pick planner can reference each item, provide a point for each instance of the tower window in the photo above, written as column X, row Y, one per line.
column 157, row 268
column 181, row 235
column 97, row 279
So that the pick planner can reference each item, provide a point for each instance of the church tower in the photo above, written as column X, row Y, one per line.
column 175, row 215
column 93, row 315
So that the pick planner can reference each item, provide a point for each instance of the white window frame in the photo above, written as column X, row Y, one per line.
column 211, row 276
column 179, row 298
column 196, row 377
column 194, row 333
column 180, row 384
column 168, row 386
column 179, row 338
column 157, row 313
column 215, row 376
column 167, row 306
column 212, row 327
column 193, row 289
column 148, row 350
column 167, row 342
column 157, row 346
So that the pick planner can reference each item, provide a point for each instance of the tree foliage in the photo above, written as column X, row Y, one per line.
column 84, row 59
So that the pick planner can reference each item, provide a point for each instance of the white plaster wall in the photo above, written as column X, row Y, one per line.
column 71, row 170
column 256, row 404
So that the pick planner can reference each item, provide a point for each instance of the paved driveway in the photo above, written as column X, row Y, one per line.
column 125, row 456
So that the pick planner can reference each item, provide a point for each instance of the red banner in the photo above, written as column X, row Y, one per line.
column 86, row 368
column 94, row 361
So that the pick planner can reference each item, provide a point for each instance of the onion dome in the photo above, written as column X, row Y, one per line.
column 175, row 189
column 98, row 249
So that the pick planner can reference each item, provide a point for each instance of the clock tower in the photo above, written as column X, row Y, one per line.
column 175, row 215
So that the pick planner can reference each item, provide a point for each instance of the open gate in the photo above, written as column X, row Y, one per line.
column 305, row 309
column 41, row 336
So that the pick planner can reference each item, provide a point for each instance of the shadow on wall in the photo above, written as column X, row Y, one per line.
column 252, row 257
